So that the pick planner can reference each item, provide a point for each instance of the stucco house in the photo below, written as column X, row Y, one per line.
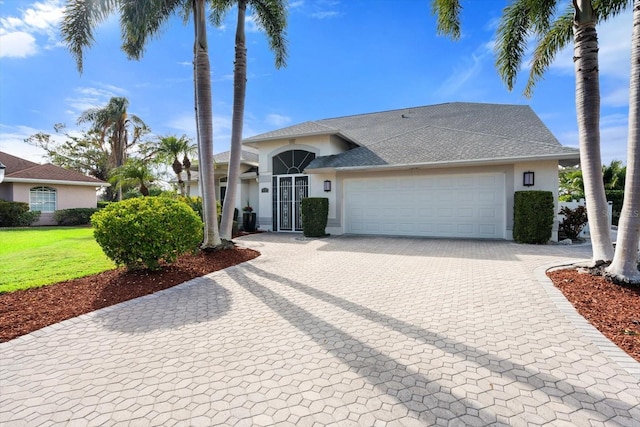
column 447, row 170
column 46, row 187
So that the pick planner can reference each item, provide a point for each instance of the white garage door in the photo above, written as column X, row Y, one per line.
column 463, row 206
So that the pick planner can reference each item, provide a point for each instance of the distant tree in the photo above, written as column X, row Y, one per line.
column 613, row 175
column 169, row 149
column 135, row 172
column 117, row 128
column 270, row 15
column 571, row 185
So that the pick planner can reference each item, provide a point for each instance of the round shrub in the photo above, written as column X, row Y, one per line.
column 140, row 232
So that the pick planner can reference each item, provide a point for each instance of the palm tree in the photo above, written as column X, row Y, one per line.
column 135, row 172
column 271, row 16
column 113, row 123
column 624, row 267
column 169, row 149
column 613, row 175
column 141, row 20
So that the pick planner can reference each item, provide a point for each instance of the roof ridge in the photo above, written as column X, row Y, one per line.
column 28, row 169
column 421, row 106
column 464, row 131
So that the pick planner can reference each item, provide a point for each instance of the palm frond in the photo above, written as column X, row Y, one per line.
column 511, row 40
column 219, row 9
column 141, row 20
column 448, row 17
column 80, row 17
column 271, row 15
column 553, row 41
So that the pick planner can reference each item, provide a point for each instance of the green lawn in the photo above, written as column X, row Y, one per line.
column 32, row 257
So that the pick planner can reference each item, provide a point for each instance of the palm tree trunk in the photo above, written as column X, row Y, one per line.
column 588, row 112
column 239, row 92
column 624, row 267
column 205, row 127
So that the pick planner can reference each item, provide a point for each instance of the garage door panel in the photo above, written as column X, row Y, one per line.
column 470, row 205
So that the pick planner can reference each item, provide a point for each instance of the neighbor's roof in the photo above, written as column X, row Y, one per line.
column 248, row 155
column 22, row 170
column 444, row 133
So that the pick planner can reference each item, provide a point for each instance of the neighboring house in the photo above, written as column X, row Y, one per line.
column 247, row 190
column 47, row 188
column 447, row 170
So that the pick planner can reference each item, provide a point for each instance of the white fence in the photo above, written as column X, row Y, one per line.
column 574, row 204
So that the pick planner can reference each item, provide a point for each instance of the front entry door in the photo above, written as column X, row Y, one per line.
column 290, row 190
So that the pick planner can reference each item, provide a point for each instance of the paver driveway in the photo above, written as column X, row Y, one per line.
column 337, row 331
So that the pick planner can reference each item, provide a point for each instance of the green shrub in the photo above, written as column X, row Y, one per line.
column 16, row 214
column 573, row 222
column 77, row 216
column 196, row 204
column 103, row 204
column 533, row 216
column 315, row 211
column 615, row 196
column 140, row 232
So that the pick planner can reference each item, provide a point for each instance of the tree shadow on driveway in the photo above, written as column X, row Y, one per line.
column 196, row 301
column 424, row 388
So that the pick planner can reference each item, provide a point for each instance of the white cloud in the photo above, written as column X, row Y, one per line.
column 92, row 97
column 613, row 138
column 325, row 14
column 617, row 97
column 277, row 120
column 19, row 33
column 464, row 71
column 12, row 142
column 17, row 45
column 296, row 4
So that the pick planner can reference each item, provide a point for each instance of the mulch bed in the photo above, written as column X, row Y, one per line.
column 613, row 309
column 22, row 312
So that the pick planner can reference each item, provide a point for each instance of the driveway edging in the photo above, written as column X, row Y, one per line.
column 603, row 343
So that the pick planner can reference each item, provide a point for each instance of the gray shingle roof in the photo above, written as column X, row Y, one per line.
column 248, row 154
column 441, row 133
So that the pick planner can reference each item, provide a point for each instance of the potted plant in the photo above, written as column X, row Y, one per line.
column 248, row 218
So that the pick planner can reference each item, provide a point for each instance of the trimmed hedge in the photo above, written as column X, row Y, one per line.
column 315, row 212
column 140, row 232
column 16, row 214
column 533, row 216
column 76, row 216
column 195, row 202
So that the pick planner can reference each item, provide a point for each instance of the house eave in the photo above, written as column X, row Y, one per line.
column 56, row 182
column 255, row 143
column 434, row 165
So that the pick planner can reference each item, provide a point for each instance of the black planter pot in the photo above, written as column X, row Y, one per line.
column 249, row 221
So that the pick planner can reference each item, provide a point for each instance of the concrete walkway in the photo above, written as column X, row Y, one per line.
column 337, row 331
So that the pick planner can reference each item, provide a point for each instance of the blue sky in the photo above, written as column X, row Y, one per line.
column 345, row 57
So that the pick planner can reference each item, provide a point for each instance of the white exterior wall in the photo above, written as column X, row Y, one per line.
column 320, row 145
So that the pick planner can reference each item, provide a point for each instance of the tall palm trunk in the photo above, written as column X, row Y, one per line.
column 205, row 127
column 588, row 111
column 239, row 92
column 624, row 267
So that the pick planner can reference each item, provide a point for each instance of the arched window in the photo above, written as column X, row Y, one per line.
column 42, row 199
column 292, row 162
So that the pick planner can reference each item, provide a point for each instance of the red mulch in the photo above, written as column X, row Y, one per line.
column 614, row 310
column 22, row 312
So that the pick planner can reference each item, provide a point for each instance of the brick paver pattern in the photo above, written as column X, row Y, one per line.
column 339, row 331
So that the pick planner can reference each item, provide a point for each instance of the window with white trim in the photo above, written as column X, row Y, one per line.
column 42, row 199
